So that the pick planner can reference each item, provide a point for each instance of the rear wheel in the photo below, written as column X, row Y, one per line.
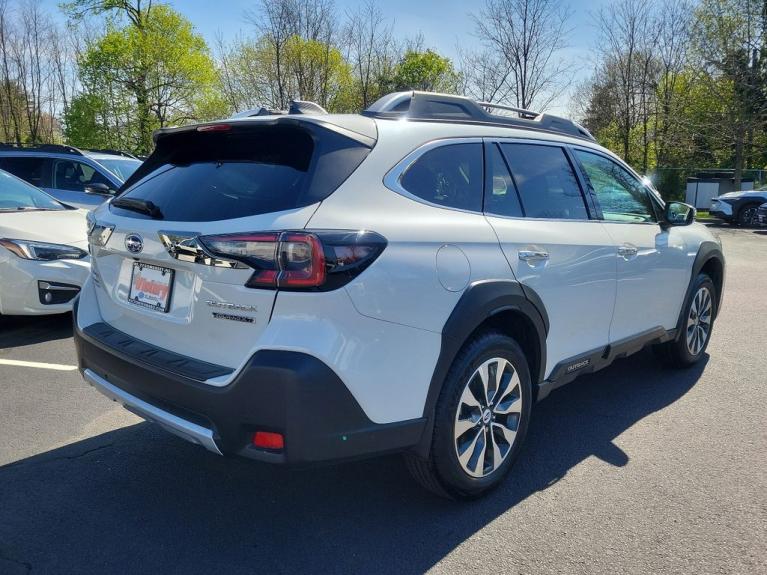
column 481, row 419
column 692, row 341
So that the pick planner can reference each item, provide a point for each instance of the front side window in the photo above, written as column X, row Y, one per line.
column 546, row 182
column 16, row 195
column 449, row 176
column 73, row 176
column 621, row 196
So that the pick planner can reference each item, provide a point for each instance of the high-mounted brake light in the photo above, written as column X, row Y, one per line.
column 214, row 128
column 297, row 260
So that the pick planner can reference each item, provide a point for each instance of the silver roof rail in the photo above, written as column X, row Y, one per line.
column 430, row 106
column 490, row 106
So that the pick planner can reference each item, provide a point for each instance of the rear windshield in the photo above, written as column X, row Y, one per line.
column 248, row 170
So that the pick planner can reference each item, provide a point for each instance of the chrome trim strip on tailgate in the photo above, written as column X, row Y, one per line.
column 172, row 423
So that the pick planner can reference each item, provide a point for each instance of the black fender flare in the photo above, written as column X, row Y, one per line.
column 707, row 251
column 479, row 302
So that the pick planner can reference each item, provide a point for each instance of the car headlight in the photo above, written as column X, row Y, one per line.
column 29, row 250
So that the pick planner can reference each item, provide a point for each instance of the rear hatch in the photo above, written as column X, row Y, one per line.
column 160, row 275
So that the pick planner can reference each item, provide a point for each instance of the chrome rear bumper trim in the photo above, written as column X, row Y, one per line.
column 172, row 423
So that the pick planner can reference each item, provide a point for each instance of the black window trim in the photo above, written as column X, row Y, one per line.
column 587, row 201
column 658, row 210
column 392, row 179
column 488, row 144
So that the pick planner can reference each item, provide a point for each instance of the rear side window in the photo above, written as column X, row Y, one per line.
column 32, row 170
column 546, row 182
column 248, row 170
column 449, row 176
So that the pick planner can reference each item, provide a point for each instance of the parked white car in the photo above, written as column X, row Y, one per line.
column 43, row 250
column 300, row 288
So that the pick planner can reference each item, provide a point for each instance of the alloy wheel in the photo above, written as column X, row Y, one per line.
column 749, row 216
column 699, row 321
column 487, row 417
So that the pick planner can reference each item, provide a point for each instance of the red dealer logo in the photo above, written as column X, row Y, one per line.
column 157, row 289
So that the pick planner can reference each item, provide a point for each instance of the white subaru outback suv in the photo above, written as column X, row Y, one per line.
column 306, row 287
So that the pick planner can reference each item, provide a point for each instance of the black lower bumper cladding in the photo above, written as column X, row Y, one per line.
column 279, row 391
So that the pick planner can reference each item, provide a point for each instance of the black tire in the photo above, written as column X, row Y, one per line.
column 442, row 473
column 677, row 353
column 747, row 215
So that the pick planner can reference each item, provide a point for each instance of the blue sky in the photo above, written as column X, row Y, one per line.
column 443, row 23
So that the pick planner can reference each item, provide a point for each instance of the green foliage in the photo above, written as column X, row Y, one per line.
column 83, row 125
column 318, row 72
column 141, row 79
column 425, row 71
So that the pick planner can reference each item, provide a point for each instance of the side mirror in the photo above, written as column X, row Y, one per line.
column 99, row 188
column 679, row 214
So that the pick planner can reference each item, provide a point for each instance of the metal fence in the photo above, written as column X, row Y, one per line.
column 672, row 182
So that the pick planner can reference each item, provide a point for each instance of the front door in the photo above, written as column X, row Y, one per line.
column 71, row 180
column 653, row 271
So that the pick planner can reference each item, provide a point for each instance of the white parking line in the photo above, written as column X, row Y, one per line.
column 53, row 366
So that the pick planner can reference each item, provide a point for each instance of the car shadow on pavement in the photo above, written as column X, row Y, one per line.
column 17, row 331
column 138, row 500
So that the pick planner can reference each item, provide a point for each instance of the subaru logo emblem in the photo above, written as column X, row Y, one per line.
column 134, row 243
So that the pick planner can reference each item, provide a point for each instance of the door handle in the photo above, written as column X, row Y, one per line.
column 533, row 255
column 627, row 251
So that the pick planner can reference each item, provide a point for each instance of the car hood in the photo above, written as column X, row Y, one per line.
column 56, row 227
column 744, row 194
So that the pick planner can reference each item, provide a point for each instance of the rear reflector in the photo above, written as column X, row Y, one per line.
column 268, row 440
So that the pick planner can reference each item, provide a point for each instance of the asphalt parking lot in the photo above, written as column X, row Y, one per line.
column 635, row 469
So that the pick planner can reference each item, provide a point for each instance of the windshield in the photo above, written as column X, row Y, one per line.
column 122, row 168
column 17, row 195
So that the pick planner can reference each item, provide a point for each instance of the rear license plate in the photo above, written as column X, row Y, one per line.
column 150, row 286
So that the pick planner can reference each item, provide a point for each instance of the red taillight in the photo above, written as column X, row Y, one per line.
column 280, row 259
column 302, row 261
column 298, row 260
column 268, row 440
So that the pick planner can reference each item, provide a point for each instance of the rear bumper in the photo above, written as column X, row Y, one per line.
column 280, row 391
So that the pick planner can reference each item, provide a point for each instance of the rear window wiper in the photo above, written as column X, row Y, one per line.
column 141, row 206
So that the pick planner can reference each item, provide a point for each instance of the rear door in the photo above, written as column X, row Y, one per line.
column 154, row 280
column 555, row 248
column 30, row 168
column 652, row 262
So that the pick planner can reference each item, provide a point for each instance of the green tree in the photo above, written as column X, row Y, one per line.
column 84, row 125
column 152, row 72
column 309, row 70
column 730, row 38
column 425, row 71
